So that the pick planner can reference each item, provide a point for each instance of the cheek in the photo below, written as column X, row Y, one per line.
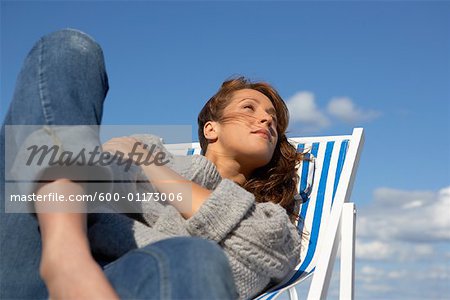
column 237, row 117
column 232, row 134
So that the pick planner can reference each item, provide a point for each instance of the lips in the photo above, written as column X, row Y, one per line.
column 263, row 132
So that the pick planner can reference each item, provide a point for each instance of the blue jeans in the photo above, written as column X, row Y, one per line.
column 64, row 82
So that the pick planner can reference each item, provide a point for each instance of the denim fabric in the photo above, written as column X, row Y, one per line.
column 63, row 82
column 181, row 268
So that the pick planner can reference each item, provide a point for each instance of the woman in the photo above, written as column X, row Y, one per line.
column 239, row 194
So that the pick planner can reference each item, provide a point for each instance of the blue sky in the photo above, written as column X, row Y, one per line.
column 383, row 65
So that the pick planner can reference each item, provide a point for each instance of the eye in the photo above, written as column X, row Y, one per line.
column 249, row 107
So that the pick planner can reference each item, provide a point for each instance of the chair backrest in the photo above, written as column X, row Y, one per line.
column 326, row 181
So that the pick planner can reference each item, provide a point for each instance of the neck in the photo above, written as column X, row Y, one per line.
column 228, row 167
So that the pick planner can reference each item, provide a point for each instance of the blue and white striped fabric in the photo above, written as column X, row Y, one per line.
column 319, row 179
column 195, row 149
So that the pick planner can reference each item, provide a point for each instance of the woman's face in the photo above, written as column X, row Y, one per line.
column 249, row 130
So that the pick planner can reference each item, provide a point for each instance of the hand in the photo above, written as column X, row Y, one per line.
column 131, row 148
column 193, row 194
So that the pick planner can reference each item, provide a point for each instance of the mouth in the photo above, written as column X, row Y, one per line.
column 264, row 133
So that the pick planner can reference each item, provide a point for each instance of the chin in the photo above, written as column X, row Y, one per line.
column 262, row 151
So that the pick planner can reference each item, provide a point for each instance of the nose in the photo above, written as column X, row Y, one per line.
column 267, row 118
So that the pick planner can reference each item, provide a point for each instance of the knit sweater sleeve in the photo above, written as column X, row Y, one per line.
column 261, row 243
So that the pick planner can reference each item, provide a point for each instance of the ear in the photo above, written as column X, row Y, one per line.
column 210, row 130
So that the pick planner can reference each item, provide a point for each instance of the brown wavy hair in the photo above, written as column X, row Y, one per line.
column 277, row 181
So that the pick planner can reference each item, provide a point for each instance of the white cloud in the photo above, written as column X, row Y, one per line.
column 303, row 108
column 377, row 288
column 411, row 216
column 372, row 271
column 377, row 250
column 402, row 281
column 402, row 247
column 373, row 250
column 345, row 110
column 441, row 272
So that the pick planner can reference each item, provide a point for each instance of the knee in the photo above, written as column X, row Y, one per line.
column 70, row 41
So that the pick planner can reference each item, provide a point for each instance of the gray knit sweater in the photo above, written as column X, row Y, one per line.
column 260, row 242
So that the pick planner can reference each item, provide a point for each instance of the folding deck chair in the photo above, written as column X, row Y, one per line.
column 326, row 216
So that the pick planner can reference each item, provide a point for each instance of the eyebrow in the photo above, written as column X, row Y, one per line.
column 270, row 110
